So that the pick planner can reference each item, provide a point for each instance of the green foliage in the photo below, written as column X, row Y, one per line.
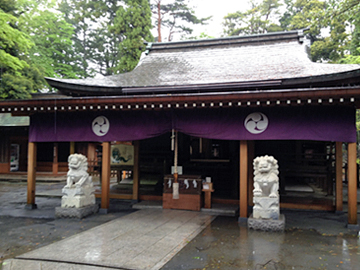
column 339, row 17
column 176, row 16
column 350, row 9
column 18, row 77
column 15, row 87
column 351, row 59
column 105, row 42
column 93, row 42
column 51, row 35
column 331, row 48
column 12, row 44
column 20, row 86
column 302, row 14
column 260, row 18
column 35, row 43
column 133, row 22
column 317, row 16
column 80, row 14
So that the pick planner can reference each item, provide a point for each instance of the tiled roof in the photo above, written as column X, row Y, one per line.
column 270, row 57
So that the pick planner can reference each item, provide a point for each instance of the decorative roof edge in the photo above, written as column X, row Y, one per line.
column 344, row 96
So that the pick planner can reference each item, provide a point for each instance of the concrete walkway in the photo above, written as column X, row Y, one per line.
column 146, row 239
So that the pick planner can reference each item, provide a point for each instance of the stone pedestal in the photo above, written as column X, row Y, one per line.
column 61, row 212
column 78, row 197
column 267, row 224
column 77, row 202
column 266, row 207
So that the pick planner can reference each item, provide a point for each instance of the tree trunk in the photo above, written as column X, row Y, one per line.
column 159, row 20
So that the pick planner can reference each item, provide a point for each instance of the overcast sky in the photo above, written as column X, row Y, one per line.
column 218, row 9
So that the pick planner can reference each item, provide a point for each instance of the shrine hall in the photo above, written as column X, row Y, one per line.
column 225, row 101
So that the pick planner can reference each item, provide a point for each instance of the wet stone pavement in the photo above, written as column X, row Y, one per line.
column 312, row 240
column 227, row 245
column 23, row 230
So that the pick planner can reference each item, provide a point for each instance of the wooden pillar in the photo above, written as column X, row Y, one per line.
column 105, row 178
column 31, row 176
column 72, row 148
column 251, row 156
column 207, row 199
column 352, row 184
column 338, row 177
column 136, row 180
column 55, row 165
column 243, row 201
column 91, row 151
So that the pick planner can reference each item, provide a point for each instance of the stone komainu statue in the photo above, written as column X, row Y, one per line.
column 79, row 189
column 266, row 211
column 266, row 180
column 77, row 175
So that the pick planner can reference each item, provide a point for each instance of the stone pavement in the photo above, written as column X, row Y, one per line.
column 146, row 239
column 320, row 237
column 40, row 177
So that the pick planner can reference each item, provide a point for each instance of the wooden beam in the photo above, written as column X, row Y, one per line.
column 55, row 165
column 115, row 196
column 136, row 171
column 352, row 184
column 31, row 176
column 338, row 177
column 307, row 206
column 243, row 179
column 105, row 177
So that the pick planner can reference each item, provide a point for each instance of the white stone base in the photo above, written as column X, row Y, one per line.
column 265, row 207
column 267, row 224
column 61, row 212
column 78, row 197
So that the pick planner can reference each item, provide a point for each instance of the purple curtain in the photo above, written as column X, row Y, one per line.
column 98, row 126
column 285, row 123
column 321, row 123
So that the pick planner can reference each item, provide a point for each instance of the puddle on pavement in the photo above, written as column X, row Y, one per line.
column 226, row 245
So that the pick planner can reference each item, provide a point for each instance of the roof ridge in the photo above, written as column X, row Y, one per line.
column 248, row 39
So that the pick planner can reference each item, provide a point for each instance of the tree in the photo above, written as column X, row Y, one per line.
column 18, row 77
column 302, row 14
column 176, row 16
column 95, row 46
column 349, row 10
column 311, row 14
column 260, row 18
column 105, row 42
column 51, row 36
column 13, row 42
column 79, row 14
column 133, row 23
column 37, row 41
column 332, row 47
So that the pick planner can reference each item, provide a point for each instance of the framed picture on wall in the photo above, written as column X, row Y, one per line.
column 122, row 154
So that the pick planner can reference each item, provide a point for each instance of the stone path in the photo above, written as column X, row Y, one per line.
column 146, row 239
